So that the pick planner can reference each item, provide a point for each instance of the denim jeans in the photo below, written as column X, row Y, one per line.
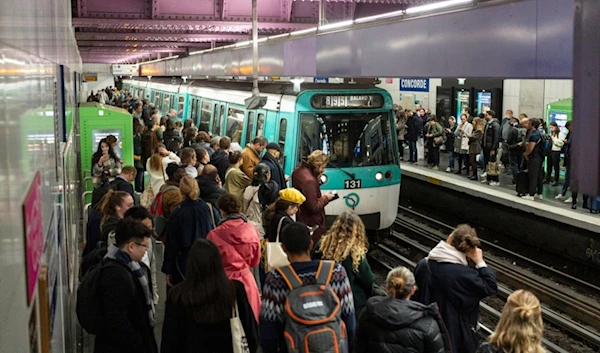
column 412, row 151
column 451, row 159
column 567, row 183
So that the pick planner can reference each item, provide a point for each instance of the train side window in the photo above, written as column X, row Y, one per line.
column 205, row 115
column 194, row 111
column 166, row 103
column 157, row 100
column 281, row 139
column 312, row 136
column 250, row 128
column 260, row 125
column 180, row 104
column 235, row 124
column 219, row 119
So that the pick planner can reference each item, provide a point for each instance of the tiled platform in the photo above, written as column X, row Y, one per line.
column 505, row 194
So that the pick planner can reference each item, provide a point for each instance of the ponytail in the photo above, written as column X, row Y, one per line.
column 400, row 282
column 109, row 202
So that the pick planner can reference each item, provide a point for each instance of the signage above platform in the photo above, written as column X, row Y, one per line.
column 125, row 70
column 414, row 84
column 321, row 79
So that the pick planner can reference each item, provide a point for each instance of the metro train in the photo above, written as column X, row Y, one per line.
column 353, row 124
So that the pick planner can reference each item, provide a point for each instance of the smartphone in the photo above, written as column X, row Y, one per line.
column 313, row 229
column 335, row 195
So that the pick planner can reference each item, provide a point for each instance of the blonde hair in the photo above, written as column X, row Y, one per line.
column 347, row 237
column 189, row 188
column 520, row 327
column 156, row 158
column 478, row 124
column 317, row 158
column 400, row 282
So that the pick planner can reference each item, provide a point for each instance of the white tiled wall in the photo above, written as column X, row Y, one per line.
column 532, row 96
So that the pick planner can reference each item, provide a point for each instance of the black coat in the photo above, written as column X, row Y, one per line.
column 396, row 326
column 414, row 128
column 277, row 174
column 121, row 184
column 181, row 334
column 171, row 135
column 492, row 135
column 125, row 326
column 188, row 223
column 457, row 290
column 110, row 225
column 93, row 234
column 210, row 191
column 220, row 159
column 271, row 230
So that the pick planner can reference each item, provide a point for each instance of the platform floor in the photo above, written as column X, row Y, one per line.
column 505, row 194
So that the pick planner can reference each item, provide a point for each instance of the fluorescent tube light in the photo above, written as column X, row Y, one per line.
column 304, row 31
column 436, row 6
column 279, row 36
column 336, row 25
column 379, row 17
column 244, row 43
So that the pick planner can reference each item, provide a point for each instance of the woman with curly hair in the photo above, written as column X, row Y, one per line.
column 346, row 243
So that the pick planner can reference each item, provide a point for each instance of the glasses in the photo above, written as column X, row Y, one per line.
column 140, row 244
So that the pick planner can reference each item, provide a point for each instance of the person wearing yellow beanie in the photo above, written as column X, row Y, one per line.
column 280, row 213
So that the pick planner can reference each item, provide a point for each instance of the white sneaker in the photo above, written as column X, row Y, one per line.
column 483, row 180
column 569, row 200
column 484, row 175
column 560, row 197
column 495, row 183
column 448, row 170
column 527, row 197
column 539, row 196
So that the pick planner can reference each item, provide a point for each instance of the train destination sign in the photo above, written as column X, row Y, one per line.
column 322, row 101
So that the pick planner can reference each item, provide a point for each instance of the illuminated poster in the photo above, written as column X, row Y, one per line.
column 98, row 135
column 34, row 236
column 484, row 101
column 560, row 118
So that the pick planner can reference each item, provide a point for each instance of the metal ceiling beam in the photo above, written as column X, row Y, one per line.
column 286, row 10
column 154, row 9
column 121, row 49
column 81, row 8
column 117, row 43
column 224, row 10
column 131, row 24
column 219, row 9
column 349, row 10
column 132, row 36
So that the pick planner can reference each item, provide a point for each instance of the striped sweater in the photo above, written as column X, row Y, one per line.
column 275, row 292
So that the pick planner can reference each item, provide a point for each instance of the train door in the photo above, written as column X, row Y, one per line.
column 288, row 148
column 218, row 117
column 271, row 123
column 180, row 107
column 250, row 128
column 205, row 112
column 234, row 124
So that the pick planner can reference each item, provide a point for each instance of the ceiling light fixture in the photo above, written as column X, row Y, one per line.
column 304, row 31
column 436, row 6
column 336, row 25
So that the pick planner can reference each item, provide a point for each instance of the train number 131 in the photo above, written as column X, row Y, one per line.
column 352, row 184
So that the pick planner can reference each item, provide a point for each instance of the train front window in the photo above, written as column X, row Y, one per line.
column 350, row 140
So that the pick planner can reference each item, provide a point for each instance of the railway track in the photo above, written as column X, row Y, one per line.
column 582, row 309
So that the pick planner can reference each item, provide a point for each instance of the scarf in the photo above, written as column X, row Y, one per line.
column 115, row 254
column 234, row 216
column 444, row 252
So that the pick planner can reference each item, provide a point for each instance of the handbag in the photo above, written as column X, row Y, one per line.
column 464, row 143
column 238, row 336
column 147, row 197
column 438, row 141
column 492, row 169
column 276, row 257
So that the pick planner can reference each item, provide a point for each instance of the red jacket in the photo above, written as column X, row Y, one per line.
column 239, row 245
column 312, row 211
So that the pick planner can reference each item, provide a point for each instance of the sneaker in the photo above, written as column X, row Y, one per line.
column 435, row 167
column 483, row 180
column 527, row 197
column 569, row 200
column 495, row 183
column 484, row 175
column 560, row 197
column 539, row 196
column 448, row 170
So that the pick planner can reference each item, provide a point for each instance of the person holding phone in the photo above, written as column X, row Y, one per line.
column 445, row 277
column 106, row 165
column 306, row 179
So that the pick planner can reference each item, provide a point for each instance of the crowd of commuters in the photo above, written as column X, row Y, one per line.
column 216, row 210
column 513, row 145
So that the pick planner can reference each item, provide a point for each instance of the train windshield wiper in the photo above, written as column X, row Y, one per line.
column 351, row 175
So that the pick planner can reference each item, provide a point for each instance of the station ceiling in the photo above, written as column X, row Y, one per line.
column 130, row 31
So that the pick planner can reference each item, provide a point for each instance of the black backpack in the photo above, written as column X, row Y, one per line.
column 88, row 307
column 93, row 258
column 101, row 190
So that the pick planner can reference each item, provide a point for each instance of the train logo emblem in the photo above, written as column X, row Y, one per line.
column 352, row 200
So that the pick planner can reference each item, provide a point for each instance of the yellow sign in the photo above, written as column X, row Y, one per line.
column 90, row 77
column 275, row 78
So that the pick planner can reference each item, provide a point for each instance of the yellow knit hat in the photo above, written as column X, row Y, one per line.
column 292, row 195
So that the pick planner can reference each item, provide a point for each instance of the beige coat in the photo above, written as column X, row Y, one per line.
column 236, row 183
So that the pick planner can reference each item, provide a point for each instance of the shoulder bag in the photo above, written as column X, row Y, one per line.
column 238, row 336
column 276, row 257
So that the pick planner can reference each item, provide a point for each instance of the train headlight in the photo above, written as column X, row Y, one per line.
column 324, row 179
column 378, row 176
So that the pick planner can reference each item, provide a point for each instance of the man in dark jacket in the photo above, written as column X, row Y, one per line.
column 491, row 141
column 413, row 131
column 210, row 190
column 306, row 179
column 220, row 158
column 123, row 181
column 126, row 298
column 515, row 148
column 270, row 159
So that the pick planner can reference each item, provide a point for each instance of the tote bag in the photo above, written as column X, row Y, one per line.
column 238, row 336
column 276, row 257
